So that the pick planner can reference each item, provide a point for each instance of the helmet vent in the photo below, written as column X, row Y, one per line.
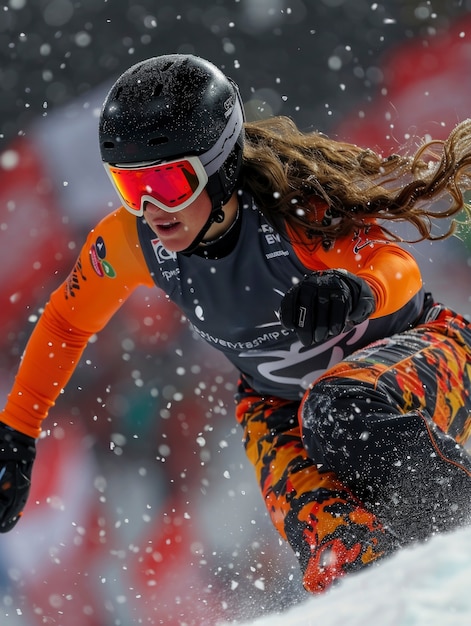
column 157, row 91
column 167, row 66
column 157, row 141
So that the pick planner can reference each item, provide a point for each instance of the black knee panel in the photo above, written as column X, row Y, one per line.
column 415, row 477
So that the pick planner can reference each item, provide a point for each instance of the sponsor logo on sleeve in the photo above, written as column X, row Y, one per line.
column 97, row 255
column 75, row 278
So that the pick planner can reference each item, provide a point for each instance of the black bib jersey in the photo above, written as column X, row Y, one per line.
column 232, row 303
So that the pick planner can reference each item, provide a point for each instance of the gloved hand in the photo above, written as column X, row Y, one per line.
column 324, row 304
column 17, row 454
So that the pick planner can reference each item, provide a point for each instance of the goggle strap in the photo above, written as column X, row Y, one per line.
column 213, row 159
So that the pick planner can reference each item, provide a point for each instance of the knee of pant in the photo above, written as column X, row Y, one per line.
column 332, row 411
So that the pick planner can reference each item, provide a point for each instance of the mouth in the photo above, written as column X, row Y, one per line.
column 162, row 226
column 167, row 226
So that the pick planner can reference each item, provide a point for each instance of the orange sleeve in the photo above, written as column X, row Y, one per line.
column 390, row 271
column 109, row 268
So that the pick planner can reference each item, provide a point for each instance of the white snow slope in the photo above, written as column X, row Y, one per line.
column 424, row 585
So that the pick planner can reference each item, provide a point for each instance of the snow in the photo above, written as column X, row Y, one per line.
column 427, row 584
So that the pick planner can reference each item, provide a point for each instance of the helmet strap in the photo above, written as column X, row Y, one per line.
column 216, row 216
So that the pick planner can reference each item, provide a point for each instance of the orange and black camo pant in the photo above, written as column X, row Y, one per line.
column 373, row 458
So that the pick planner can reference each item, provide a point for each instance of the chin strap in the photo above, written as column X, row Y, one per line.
column 216, row 216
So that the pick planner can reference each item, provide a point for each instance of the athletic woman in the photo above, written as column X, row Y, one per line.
column 280, row 249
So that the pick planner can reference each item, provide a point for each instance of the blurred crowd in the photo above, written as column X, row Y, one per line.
column 143, row 509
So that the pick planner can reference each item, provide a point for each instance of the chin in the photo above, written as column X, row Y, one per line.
column 174, row 246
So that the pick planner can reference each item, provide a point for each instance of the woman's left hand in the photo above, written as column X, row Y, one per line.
column 326, row 303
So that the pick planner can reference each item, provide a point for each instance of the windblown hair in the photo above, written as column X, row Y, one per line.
column 292, row 175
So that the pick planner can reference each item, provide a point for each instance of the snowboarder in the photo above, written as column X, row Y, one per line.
column 279, row 248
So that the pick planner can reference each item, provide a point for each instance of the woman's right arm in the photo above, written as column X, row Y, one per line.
column 109, row 268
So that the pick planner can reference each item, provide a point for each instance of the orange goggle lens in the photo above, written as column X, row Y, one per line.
column 172, row 186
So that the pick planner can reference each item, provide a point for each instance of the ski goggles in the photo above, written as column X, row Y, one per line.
column 171, row 185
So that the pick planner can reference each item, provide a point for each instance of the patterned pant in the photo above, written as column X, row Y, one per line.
column 372, row 458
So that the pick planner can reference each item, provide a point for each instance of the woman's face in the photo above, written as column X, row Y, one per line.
column 177, row 231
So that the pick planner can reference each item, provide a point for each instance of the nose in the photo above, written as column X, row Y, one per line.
column 156, row 211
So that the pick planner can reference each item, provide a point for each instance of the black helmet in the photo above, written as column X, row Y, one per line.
column 176, row 105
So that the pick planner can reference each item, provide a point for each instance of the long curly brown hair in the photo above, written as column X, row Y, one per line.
column 291, row 174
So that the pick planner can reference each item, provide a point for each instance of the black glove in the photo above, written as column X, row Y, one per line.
column 17, row 454
column 326, row 303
